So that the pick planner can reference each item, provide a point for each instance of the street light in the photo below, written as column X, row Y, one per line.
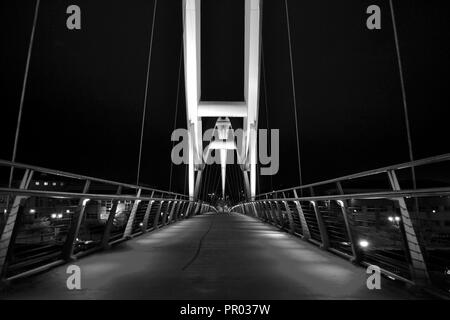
column 363, row 243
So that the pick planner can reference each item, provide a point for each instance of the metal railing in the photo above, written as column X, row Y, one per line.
column 49, row 217
column 404, row 232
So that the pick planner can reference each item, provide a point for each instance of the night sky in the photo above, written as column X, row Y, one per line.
column 84, row 101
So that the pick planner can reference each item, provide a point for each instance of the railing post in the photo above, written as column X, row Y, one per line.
column 186, row 212
column 418, row 266
column 169, row 213
column 165, row 213
column 322, row 228
column 279, row 214
column 147, row 213
column 158, row 214
column 256, row 210
column 9, row 232
column 263, row 211
column 301, row 215
column 289, row 214
column 130, row 222
column 180, row 210
column 174, row 208
column 291, row 221
column 268, row 211
column 109, row 225
column 186, row 205
column 273, row 213
column 110, row 221
column 75, row 225
column 194, row 209
column 348, row 226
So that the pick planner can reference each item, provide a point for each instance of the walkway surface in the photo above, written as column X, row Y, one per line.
column 214, row 256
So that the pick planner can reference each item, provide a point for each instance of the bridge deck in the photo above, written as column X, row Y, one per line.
column 214, row 256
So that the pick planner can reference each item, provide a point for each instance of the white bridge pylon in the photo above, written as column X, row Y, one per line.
column 196, row 109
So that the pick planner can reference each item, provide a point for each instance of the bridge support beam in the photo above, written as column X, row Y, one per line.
column 196, row 109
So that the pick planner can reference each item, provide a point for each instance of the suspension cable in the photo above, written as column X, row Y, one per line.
column 144, row 109
column 402, row 84
column 265, row 103
column 24, row 89
column 176, row 113
column 204, row 185
column 185, row 178
column 293, row 92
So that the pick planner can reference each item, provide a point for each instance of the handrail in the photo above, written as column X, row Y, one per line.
column 91, row 196
column 416, row 163
column 368, row 196
column 81, row 177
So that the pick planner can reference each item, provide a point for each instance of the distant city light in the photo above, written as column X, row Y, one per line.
column 32, row 211
column 60, row 215
column 391, row 219
column 53, row 216
column 67, row 211
column 363, row 243
column 434, row 211
column 53, row 183
column 141, row 224
column 397, row 219
column 45, row 183
column 37, row 183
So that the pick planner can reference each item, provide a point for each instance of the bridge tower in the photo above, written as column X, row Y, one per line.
column 197, row 109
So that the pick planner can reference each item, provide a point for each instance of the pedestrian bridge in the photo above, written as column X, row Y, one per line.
column 378, row 234
column 300, row 243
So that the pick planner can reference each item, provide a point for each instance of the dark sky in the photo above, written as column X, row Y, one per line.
column 83, row 106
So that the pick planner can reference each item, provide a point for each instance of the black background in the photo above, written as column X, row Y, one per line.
column 84, row 100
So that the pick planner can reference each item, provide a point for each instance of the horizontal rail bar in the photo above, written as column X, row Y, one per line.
column 91, row 196
column 81, row 177
column 369, row 195
column 405, row 165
